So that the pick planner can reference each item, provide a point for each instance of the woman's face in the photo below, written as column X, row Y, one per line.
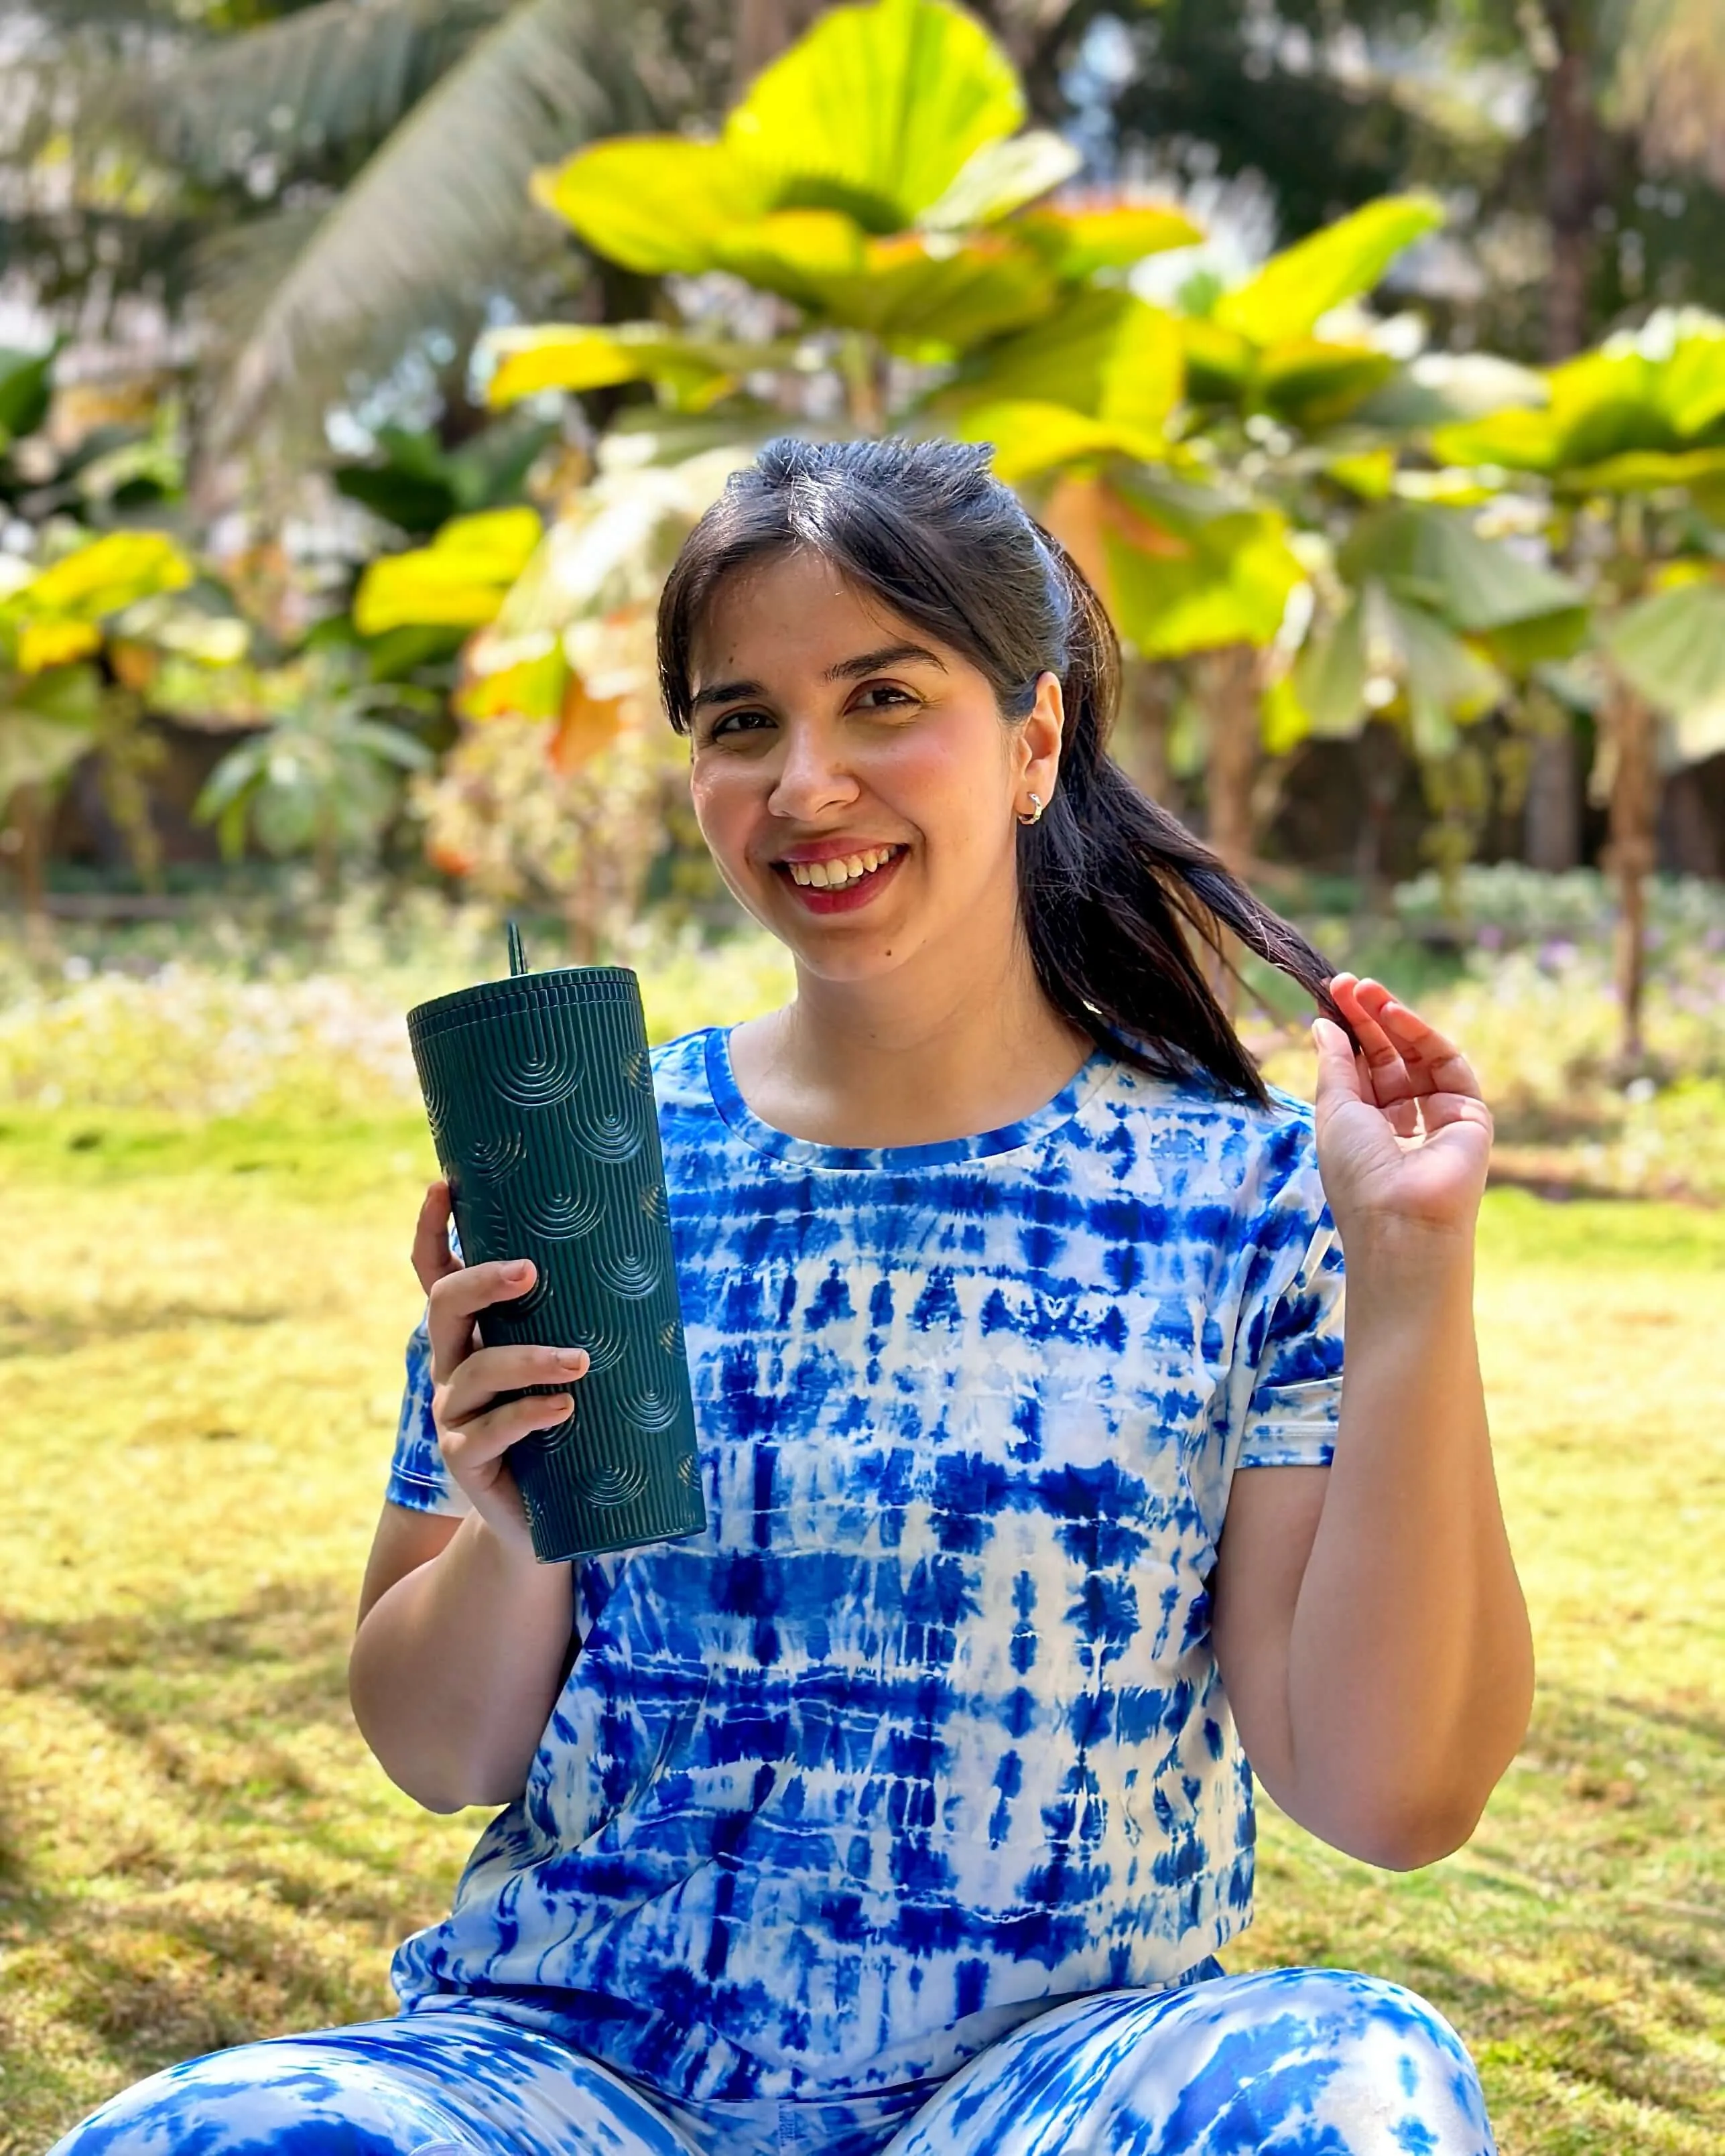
column 853, row 777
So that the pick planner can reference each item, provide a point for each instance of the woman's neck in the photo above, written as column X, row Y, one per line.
column 913, row 1057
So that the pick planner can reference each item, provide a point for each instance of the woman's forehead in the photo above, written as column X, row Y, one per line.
column 797, row 610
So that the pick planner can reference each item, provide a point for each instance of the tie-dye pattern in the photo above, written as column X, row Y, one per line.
column 1296, row 2062
column 925, row 1733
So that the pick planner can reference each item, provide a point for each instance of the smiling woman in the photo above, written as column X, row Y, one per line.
column 908, row 1806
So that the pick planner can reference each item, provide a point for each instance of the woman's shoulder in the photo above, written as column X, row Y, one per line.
column 1186, row 1121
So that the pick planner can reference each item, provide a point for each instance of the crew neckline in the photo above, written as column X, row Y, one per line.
column 1040, row 1124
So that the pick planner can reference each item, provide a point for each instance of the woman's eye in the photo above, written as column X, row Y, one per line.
column 882, row 696
column 738, row 722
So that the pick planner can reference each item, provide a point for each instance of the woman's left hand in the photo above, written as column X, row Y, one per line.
column 1403, row 1135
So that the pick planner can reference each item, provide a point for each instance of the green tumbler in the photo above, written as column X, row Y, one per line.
column 540, row 1096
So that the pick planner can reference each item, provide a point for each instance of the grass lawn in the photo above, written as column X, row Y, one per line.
column 201, row 1332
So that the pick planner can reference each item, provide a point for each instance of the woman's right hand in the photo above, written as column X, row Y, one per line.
column 474, row 1433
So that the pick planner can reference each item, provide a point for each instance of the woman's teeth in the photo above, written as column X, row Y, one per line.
column 834, row 875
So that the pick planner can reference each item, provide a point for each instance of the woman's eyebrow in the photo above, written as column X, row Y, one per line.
column 871, row 662
column 724, row 692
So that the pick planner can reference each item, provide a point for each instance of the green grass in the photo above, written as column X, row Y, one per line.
column 200, row 1331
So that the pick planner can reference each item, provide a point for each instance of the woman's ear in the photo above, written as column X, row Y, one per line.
column 1040, row 738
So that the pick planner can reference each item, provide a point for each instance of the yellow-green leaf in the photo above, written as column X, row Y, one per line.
column 458, row 582
column 1670, row 648
column 917, row 289
column 109, row 574
column 1001, row 178
column 55, row 642
column 655, row 202
column 795, row 252
column 1107, row 354
column 1647, row 471
column 1314, row 384
column 570, row 356
column 877, row 110
column 1294, row 290
column 1104, row 232
column 1217, row 574
column 1029, row 439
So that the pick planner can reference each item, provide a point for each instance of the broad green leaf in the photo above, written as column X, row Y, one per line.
column 458, row 582
column 1029, row 439
column 55, row 642
column 1294, row 290
column 1647, row 471
column 1219, row 360
column 513, row 676
column 1445, row 388
column 1313, row 384
column 570, row 356
column 1443, row 680
column 26, row 389
column 1691, row 383
column 916, row 290
column 793, row 251
column 107, row 573
column 34, row 751
column 1100, row 231
column 1516, row 438
column 1433, row 557
column 1329, row 676
column 1001, row 178
column 1107, row 354
column 877, row 110
column 1670, row 648
column 655, row 202
column 1370, row 473
column 1191, row 571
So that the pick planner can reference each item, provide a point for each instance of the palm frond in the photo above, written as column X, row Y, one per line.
column 341, row 72
column 441, row 207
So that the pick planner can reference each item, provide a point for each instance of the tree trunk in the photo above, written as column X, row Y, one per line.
column 1139, row 745
column 1228, row 688
column 28, row 817
column 1228, row 685
column 1552, row 816
column 1634, row 818
column 1572, row 177
column 764, row 28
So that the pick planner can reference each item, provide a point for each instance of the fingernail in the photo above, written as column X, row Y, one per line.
column 517, row 1272
column 572, row 1358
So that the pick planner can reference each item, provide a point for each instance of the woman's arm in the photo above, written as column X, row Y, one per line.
column 464, row 1636
column 457, row 1664
column 1369, row 1621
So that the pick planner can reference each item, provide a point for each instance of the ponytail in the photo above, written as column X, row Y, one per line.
column 1113, row 887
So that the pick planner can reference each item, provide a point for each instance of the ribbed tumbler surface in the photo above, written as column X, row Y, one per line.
column 540, row 1096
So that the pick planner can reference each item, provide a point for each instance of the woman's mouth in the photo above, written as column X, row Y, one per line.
column 843, row 882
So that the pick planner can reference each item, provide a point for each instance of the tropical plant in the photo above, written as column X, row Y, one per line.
column 74, row 626
column 322, row 775
column 1630, row 449
column 292, row 167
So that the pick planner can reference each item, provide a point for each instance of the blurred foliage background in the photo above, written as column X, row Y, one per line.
column 362, row 365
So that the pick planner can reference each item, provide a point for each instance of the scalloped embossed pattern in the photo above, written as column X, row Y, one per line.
column 541, row 1100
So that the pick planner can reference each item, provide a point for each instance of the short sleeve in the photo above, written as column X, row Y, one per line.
column 1291, row 1337
column 418, row 1477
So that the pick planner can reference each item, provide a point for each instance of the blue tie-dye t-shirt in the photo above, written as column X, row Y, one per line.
column 926, row 1730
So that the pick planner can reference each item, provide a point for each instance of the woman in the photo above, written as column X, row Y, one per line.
column 908, row 1804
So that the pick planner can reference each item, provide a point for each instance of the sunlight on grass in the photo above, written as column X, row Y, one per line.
column 202, row 1331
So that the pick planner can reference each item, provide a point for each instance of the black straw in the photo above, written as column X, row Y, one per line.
column 517, row 957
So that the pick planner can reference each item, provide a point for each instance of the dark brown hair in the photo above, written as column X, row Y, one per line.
column 1107, row 878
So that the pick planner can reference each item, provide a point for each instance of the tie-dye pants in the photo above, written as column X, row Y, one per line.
column 1293, row 2062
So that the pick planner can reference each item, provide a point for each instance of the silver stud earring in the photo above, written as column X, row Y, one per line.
column 1035, row 814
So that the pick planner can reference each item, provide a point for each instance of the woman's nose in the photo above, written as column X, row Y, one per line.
column 812, row 778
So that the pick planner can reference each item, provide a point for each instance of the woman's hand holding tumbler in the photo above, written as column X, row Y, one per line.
column 474, row 1432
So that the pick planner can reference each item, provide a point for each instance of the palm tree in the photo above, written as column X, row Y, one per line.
column 354, row 172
